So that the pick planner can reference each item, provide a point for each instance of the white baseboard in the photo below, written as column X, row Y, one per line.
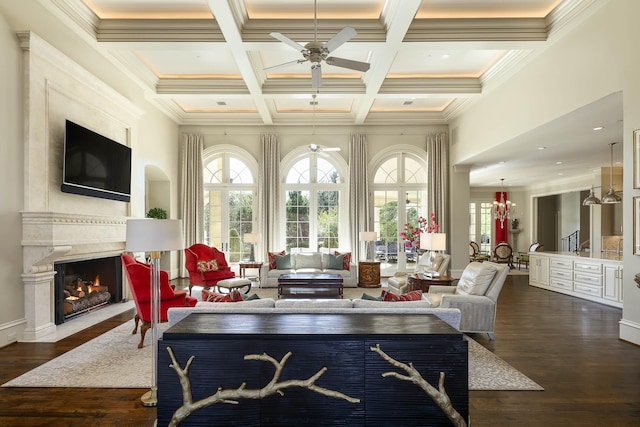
column 630, row 331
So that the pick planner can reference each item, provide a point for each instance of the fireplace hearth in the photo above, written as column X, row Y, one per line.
column 82, row 286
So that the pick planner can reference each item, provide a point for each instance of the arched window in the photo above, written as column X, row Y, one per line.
column 229, row 199
column 400, row 198
column 315, row 215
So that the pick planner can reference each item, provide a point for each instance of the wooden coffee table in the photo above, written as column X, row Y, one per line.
column 310, row 285
column 416, row 282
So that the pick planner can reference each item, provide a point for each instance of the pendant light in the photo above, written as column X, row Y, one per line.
column 591, row 199
column 611, row 196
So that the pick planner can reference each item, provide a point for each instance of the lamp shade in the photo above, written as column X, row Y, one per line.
column 154, row 235
column 251, row 237
column 368, row 236
column 433, row 241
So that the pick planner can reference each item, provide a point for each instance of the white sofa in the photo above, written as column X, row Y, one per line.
column 308, row 262
column 317, row 306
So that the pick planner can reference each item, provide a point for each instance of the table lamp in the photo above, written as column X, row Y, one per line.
column 154, row 236
column 433, row 242
column 368, row 237
column 252, row 238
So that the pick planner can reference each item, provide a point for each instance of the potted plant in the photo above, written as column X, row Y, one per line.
column 157, row 213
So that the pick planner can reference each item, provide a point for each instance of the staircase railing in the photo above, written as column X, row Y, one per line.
column 571, row 243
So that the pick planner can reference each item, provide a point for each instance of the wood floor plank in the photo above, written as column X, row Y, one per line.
column 567, row 345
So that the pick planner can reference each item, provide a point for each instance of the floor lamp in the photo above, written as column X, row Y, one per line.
column 154, row 236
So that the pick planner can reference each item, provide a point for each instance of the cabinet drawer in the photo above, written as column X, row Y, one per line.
column 588, row 267
column 587, row 279
column 561, row 263
column 589, row 290
column 561, row 274
column 566, row 285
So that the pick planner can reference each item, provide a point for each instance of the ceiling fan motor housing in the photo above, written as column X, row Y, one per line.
column 315, row 52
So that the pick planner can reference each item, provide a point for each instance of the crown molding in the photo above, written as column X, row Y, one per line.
column 297, row 86
column 431, row 86
column 159, row 30
column 474, row 29
column 201, row 87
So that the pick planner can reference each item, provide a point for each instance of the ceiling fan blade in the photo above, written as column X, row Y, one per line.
column 284, row 64
column 286, row 40
column 346, row 34
column 316, row 76
column 348, row 63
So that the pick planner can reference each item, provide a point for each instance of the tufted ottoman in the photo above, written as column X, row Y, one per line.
column 234, row 283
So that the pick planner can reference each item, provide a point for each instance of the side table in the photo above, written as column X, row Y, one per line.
column 245, row 265
column 416, row 282
column 369, row 274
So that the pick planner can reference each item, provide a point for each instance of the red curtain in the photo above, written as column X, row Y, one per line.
column 502, row 230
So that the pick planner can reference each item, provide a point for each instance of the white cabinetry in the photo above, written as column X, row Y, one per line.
column 539, row 270
column 561, row 273
column 612, row 285
column 588, row 278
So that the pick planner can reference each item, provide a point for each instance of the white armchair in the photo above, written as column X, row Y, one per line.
column 398, row 283
column 476, row 295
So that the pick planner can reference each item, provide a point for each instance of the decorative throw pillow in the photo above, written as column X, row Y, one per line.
column 476, row 278
column 272, row 258
column 283, row 262
column 250, row 297
column 336, row 262
column 233, row 296
column 209, row 265
column 409, row 296
column 346, row 261
column 368, row 297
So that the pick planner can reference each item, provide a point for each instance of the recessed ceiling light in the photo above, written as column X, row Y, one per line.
column 558, row 163
column 598, row 128
column 501, row 162
column 541, row 148
column 445, row 56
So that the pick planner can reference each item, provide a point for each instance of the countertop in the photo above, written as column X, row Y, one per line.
column 604, row 256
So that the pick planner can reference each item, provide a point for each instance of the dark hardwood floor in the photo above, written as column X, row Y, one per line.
column 567, row 345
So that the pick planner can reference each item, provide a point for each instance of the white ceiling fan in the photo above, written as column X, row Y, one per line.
column 315, row 52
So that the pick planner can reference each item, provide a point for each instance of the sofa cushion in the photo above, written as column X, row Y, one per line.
column 368, row 297
column 283, row 261
column 311, row 303
column 207, row 265
column 476, row 278
column 272, row 258
column 336, row 262
column 307, row 260
column 346, row 261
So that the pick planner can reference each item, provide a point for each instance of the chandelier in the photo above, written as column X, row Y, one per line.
column 503, row 209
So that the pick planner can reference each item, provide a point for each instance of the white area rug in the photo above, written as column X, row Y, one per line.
column 113, row 360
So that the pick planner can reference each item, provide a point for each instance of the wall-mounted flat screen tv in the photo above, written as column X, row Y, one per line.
column 95, row 165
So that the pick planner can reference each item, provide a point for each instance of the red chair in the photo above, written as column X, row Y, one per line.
column 139, row 277
column 206, row 274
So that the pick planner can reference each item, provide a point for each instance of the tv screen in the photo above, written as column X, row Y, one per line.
column 95, row 165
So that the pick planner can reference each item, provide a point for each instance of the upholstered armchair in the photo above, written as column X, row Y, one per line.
column 474, row 253
column 398, row 283
column 139, row 277
column 476, row 295
column 206, row 266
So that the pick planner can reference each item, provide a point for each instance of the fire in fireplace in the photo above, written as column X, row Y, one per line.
column 82, row 286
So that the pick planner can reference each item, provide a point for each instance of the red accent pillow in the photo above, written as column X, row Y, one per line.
column 346, row 260
column 409, row 296
column 272, row 258
column 233, row 296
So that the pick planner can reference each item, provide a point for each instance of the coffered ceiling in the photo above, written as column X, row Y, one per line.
column 203, row 61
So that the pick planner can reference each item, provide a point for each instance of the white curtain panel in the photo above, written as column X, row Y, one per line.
column 191, row 192
column 359, row 213
column 268, row 195
column 438, row 175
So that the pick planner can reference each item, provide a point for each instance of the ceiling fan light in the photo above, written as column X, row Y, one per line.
column 611, row 197
column 591, row 199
